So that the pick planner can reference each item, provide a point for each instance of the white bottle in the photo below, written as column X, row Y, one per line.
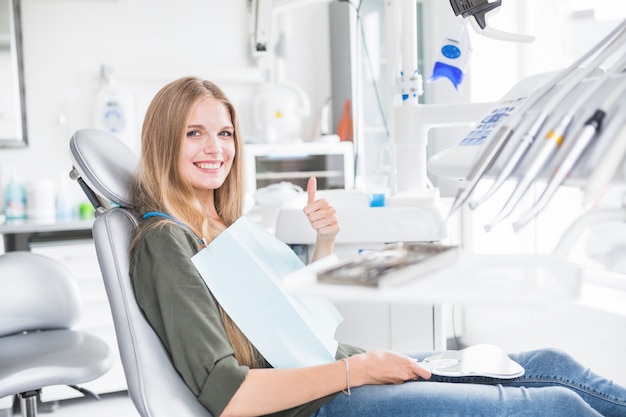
column 65, row 207
column 41, row 196
column 14, row 199
column 114, row 110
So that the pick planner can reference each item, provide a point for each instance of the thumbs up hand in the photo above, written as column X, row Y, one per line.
column 311, row 189
column 323, row 219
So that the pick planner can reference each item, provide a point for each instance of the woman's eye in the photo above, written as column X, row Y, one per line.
column 226, row 133
column 193, row 134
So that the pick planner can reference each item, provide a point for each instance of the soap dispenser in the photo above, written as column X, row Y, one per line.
column 114, row 110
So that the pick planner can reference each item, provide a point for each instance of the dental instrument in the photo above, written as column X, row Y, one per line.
column 588, row 132
column 554, row 140
column 496, row 141
column 528, row 138
column 583, row 138
column 514, row 160
column 499, row 137
column 611, row 160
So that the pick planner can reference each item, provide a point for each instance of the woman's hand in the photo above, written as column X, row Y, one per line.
column 323, row 219
column 267, row 390
column 321, row 214
column 380, row 367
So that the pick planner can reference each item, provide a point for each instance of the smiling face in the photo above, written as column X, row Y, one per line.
column 208, row 148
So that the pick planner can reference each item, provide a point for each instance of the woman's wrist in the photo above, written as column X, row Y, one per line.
column 355, row 373
column 323, row 248
column 348, row 384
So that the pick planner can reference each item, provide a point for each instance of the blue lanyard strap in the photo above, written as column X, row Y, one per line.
column 167, row 216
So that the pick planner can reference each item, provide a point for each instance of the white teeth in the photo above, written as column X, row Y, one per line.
column 215, row 165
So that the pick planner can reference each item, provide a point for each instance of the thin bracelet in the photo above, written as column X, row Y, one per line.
column 347, row 390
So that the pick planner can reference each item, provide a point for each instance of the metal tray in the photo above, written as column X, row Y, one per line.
column 393, row 264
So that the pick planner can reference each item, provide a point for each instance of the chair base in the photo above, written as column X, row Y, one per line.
column 8, row 406
column 28, row 402
column 30, row 405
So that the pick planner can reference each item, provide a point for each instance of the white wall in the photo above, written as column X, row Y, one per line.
column 148, row 43
column 563, row 29
column 151, row 42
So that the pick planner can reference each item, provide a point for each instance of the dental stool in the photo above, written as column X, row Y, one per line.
column 104, row 166
column 39, row 304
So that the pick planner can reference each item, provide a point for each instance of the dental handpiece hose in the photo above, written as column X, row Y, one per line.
column 608, row 166
column 497, row 140
column 557, row 99
column 587, row 133
column 491, row 152
column 518, row 154
column 499, row 137
column 553, row 141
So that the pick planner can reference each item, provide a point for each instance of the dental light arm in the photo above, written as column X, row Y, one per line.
column 479, row 9
column 261, row 12
column 261, row 23
column 408, row 139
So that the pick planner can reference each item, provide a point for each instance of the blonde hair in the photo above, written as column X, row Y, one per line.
column 160, row 186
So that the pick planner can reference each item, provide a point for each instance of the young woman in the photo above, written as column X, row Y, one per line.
column 191, row 170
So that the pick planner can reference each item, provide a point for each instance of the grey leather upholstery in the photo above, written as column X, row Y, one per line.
column 39, row 304
column 105, row 164
column 28, row 281
column 155, row 387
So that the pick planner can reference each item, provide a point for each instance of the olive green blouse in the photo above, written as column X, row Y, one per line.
column 184, row 314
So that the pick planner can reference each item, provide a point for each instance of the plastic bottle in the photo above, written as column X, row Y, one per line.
column 41, row 196
column 15, row 199
column 344, row 129
column 65, row 210
column 114, row 110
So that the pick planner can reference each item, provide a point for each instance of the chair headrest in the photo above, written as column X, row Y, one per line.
column 104, row 163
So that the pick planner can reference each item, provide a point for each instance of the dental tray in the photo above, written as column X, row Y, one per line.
column 394, row 264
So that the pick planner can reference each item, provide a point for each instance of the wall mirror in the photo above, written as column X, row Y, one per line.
column 12, row 106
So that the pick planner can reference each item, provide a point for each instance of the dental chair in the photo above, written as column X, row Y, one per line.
column 39, row 303
column 103, row 166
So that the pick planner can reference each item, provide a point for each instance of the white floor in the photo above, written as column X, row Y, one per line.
column 116, row 404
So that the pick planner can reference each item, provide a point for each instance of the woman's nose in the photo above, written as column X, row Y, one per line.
column 211, row 144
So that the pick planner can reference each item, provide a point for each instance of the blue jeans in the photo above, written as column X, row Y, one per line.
column 553, row 385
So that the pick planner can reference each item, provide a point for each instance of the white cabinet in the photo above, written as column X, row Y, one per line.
column 332, row 163
column 397, row 326
column 79, row 257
